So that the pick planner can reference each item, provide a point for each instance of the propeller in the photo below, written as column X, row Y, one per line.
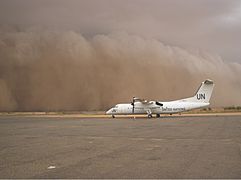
column 133, row 104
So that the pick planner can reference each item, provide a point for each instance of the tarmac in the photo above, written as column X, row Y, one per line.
column 102, row 147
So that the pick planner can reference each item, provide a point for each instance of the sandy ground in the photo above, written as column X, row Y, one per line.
column 103, row 115
column 73, row 147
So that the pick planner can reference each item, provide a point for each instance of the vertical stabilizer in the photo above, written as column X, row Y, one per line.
column 203, row 93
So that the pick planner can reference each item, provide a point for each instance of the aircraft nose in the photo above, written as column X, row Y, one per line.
column 109, row 111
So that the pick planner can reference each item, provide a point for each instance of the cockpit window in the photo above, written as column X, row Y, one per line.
column 116, row 106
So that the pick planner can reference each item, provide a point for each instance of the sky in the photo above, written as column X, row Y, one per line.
column 91, row 54
column 210, row 25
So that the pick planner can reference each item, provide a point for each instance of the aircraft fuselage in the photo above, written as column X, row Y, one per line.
column 167, row 108
column 142, row 106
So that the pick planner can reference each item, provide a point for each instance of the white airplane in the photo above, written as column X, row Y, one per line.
column 141, row 106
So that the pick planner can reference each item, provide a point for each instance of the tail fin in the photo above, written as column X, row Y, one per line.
column 203, row 93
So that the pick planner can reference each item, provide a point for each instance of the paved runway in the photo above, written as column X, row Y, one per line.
column 71, row 147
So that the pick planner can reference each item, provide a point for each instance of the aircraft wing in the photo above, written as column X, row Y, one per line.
column 146, row 102
column 143, row 101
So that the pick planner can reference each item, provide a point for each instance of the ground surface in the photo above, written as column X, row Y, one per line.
column 171, row 147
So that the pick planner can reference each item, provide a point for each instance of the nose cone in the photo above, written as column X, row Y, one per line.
column 109, row 111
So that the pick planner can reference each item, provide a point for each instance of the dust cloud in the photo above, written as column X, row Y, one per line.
column 44, row 70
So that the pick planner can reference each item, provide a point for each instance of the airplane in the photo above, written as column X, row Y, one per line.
column 142, row 106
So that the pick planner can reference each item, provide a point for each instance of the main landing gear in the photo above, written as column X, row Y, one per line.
column 149, row 115
column 113, row 116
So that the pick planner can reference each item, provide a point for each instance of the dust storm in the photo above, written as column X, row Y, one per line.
column 43, row 70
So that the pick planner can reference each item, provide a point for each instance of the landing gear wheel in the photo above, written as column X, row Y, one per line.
column 113, row 116
column 149, row 116
column 158, row 115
